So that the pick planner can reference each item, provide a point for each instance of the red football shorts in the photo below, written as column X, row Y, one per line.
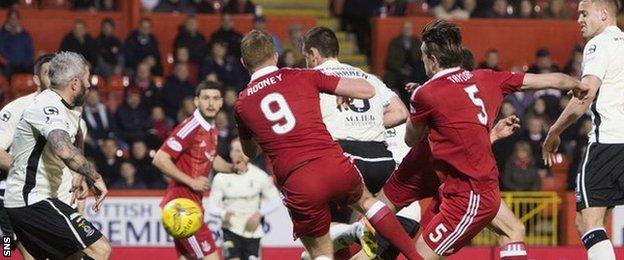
column 309, row 189
column 198, row 245
column 453, row 219
column 414, row 179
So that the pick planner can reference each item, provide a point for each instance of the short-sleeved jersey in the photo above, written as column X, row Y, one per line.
column 9, row 117
column 460, row 108
column 193, row 147
column 363, row 121
column 36, row 171
column 603, row 57
column 280, row 109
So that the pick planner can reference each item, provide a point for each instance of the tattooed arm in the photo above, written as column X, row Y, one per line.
column 75, row 160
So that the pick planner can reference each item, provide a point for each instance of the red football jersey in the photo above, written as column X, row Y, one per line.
column 193, row 147
column 280, row 109
column 460, row 108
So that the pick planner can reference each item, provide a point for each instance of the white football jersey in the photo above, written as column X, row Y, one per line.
column 36, row 172
column 395, row 140
column 603, row 57
column 242, row 194
column 363, row 121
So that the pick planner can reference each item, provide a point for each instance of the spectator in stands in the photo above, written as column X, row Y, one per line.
column 491, row 60
column 294, row 44
column 133, row 117
column 287, row 59
column 543, row 63
column 239, row 7
column 538, row 110
column 226, row 67
column 260, row 25
column 403, row 63
column 222, row 122
column 357, row 14
column 526, row 9
column 182, row 56
column 94, row 5
column 147, row 172
column 144, row 82
column 109, row 160
column 521, row 101
column 193, row 40
column 16, row 48
column 449, row 10
column 534, row 134
column 507, row 109
column 79, row 41
column 520, row 173
column 470, row 6
column 182, row 6
column 499, row 10
column 227, row 34
column 573, row 68
column 110, row 59
column 176, row 88
column 140, row 45
column 100, row 121
column 8, row 4
column 161, row 124
column 208, row 6
column 557, row 10
column 129, row 179
column 186, row 109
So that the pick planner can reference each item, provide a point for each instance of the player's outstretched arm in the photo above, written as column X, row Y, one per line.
column 395, row 113
column 75, row 160
column 414, row 132
column 354, row 88
column 556, row 80
column 165, row 164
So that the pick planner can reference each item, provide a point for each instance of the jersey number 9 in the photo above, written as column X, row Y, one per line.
column 283, row 117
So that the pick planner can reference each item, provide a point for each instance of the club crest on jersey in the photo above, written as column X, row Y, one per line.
column 591, row 49
column 6, row 116
column 50, row 110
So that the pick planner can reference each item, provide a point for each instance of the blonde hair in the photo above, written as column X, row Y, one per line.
column 256, row 48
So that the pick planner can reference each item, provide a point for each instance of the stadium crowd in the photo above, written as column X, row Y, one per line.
column 124, row 135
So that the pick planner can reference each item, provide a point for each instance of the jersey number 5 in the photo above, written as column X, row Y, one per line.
column 472, row 93
column 283, row 116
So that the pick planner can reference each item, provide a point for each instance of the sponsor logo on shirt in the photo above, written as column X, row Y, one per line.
column 174, row 144
column 6, row 116
column 50, row 110
column 591, row 49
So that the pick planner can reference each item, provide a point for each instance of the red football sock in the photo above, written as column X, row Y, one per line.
column 386, row 224
column 513, row 251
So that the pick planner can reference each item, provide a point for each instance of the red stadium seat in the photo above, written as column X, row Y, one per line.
column 417, row 8
column 116, row 83
column 22, row 84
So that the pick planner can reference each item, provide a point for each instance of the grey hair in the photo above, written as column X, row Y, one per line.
column 66, row 66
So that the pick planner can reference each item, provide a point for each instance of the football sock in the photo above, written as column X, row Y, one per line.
column 388, row 227
column 598, row 245
column 513, row 251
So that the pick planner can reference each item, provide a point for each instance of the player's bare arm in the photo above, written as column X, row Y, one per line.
column 504, row 128
column 79, row 189
column 165, row 164
column 75, row 160
column 575, row 109
column 5, row 160
column 414, row 132
column 221, row 165
column 395, row 113
column 354, row 88
column 556, row 80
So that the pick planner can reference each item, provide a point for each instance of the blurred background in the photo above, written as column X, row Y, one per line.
column 147, row 56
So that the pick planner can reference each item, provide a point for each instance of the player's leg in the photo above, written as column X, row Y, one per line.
column 318, row 247
column 591, row 227
column 251, row 248
column 511, row 234
column 232, row 246
column 7, row 230
column 461, row 216
column 198, row 246
column 101, row 249
column 385, row 223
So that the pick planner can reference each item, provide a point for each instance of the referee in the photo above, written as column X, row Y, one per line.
column 600, row 179
column 43, row 146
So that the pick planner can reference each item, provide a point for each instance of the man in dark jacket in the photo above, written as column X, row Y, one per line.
column 16, row 49
column 79, row 41
column 110, row 59
column 133, row 117
column 189, row 37
column 176, row 88
column 227, row 34
column 403, row 63
column 140, row 45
